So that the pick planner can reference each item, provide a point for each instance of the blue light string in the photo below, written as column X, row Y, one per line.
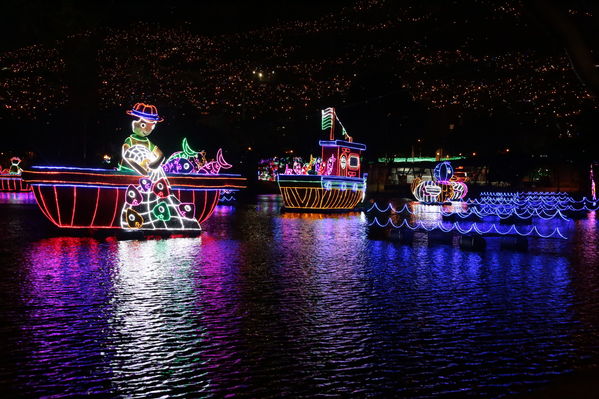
column 587, row 205
column 531, row 201
column 537, row 194
column 556, row 233
column 526, row 214
column 224, row 198
column 594, row 205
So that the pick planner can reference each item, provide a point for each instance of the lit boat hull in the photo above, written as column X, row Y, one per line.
column 321, row 193
column 13, row 183
column 93, row 198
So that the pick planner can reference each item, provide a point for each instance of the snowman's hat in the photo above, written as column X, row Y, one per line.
column 145, row 111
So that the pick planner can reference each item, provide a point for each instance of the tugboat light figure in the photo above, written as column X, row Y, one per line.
column 332, row 183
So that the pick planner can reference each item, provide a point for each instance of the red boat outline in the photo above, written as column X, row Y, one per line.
column 66, row 196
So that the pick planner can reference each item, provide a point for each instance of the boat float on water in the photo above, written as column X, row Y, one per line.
column 146, row 193
column 332, row 183
column 93, row 198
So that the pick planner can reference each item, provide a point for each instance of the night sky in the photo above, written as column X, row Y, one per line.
column 469, row 76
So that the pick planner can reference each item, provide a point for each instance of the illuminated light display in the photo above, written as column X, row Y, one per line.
column 269, row 168
column 15, row 169
column 415, row 183
column 214, row 167
column 140, row 191
column 410, row 217
column 527, row 196
column 508, row 197
column 587, row 205
column 542, row 200
column 10, row 179
column 442, row 188
column 226, row 198
column 156, row 208
column 185, row 161
column 92, row 198
column 336, row 184
column 499, row 212
column 134, row 219
column 328, row 119
column 460, row 190
column 415, row 159
column 312, row 192
column 330, row 165
column 447, row 192
column 13, row 183
column 427, row 191
column 145, row 112
column 443, row 171
column 472, row 228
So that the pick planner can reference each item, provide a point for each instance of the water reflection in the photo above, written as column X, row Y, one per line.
column 153, row 305
column 64, row 300
column 17, row 198
column 270, row 304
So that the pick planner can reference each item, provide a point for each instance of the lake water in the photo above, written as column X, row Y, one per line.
column 265, row 304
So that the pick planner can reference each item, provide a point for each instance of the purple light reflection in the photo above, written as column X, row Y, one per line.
column 17, row 198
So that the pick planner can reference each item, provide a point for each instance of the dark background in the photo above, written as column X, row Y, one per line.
column 546, row 49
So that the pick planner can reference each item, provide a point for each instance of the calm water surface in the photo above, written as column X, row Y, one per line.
column 271, row 305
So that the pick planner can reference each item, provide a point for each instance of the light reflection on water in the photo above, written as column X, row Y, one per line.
column 270, row 304
column 17, row 198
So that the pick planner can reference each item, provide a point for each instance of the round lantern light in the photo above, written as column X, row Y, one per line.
column 443, row 171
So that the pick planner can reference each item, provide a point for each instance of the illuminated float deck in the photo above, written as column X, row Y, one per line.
column 337, row 183
column 13, row 183
column 93, row 198
column 10, row 179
